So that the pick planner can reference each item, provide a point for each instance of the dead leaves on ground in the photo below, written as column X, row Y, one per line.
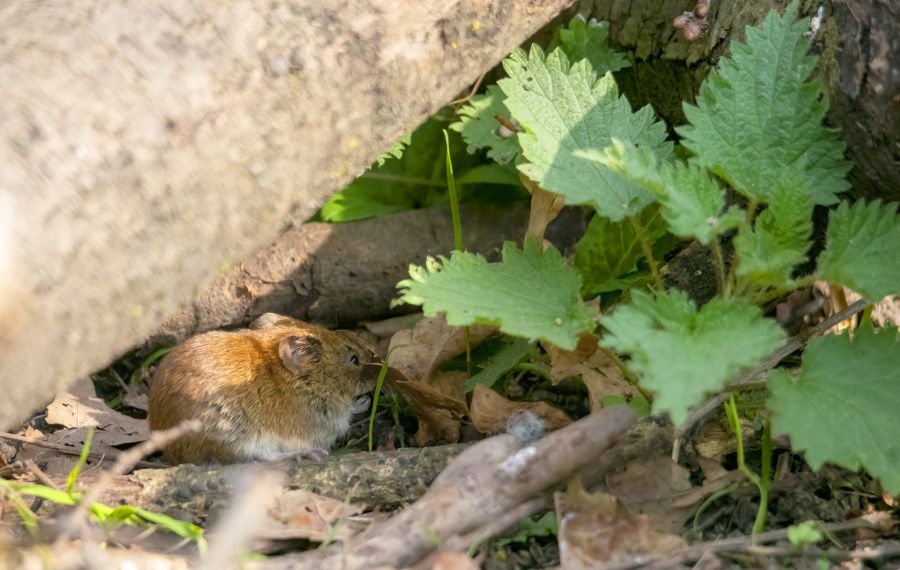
column 437, row 397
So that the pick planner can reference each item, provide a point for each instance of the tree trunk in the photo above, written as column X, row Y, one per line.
column 147, row 146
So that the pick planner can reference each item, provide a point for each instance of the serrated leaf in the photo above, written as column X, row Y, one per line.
column 780, row 236
column 609, row 250
column 566, row 111
column 530, row 293
column 759, row 114
column 843, row 407
column 583, row 39
column 682, row 353
column 480, row 129
column 862, row 245
column 692, row 203
column 396, row 150
column 512, row 352
column 365, row 198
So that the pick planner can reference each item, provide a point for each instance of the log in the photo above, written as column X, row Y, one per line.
column 341, row 274
column 148, row 145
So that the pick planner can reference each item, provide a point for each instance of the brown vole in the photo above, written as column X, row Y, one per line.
column 282, row 387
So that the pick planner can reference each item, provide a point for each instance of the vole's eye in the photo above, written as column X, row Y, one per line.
column 354, row 359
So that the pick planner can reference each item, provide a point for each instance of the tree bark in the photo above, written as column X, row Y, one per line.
column 147, row 146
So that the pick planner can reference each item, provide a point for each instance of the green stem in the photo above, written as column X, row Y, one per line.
column 765, row 475
column 647, row 251
column 454, row 198
column 735, row 423
column 457, row 232
column 719, row 262
column 382, row 374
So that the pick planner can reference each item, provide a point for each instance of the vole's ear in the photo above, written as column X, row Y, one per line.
column 266, row 320
column 300, row 354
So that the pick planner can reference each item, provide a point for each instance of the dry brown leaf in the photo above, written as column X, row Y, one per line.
column 600, row 375
column 661, row 489
column 435, row 423
column 438, row 414
column 490, row 411
column 419, row 351
column 596, row 531
column 79, row 407
column 302, row 514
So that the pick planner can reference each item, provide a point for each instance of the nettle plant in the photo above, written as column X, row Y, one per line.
column 757, row 128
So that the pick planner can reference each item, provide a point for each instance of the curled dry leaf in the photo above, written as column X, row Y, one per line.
column 301, row 514
column 491, row 411
column 596, row 531
column 415, row 356
column 600, row 375
column 545, row 206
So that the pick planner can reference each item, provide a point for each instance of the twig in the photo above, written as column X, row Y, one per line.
column 125, row 462
column 68, row 450
column 39, row 473
column 472, row 92
column 703, row 550
column 792, row 345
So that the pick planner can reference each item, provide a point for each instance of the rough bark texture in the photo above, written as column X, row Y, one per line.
column 340, row 274
column 147, row 145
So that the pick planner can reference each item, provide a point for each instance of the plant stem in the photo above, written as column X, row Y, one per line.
column 454, row 198
column 647, row 251
column 382, row 374
column 719, row 262
column 765, row 475
column 457, row 233
column 735, row 423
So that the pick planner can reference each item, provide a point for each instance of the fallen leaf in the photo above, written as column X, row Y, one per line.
column 599, row 374
column 435, row 423
column 596, row 531
column 661, row 489
column 302, row 514
column 79, row 407
column 416, row 353
column 438, row 414
column 490, row 412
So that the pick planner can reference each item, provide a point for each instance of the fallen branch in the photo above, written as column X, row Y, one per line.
column 484, row 482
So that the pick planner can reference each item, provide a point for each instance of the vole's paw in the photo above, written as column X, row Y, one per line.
column 315, row 455
column 361, row 404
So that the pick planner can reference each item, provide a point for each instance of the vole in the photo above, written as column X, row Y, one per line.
column 279, row 388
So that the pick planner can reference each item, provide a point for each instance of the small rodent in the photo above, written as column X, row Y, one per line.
column 279, row 388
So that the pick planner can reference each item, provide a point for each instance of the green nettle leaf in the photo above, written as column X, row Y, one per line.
column 532, row 294
column 513, row 351
column 396, row 150
column 567, row 111
column 759, row 114
column 682, row 353
column 480, row 129
column 588, row 40
column 365, row 198
column 692, row 202
column 780, row 236
column 609, row 250
column 843, row 407
column 862, row 245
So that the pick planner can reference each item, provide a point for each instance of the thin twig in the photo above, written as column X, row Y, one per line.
column 39, row 473
column 68, row 450
column 472, row 92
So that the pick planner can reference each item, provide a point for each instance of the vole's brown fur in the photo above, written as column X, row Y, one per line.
column 279, row 388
